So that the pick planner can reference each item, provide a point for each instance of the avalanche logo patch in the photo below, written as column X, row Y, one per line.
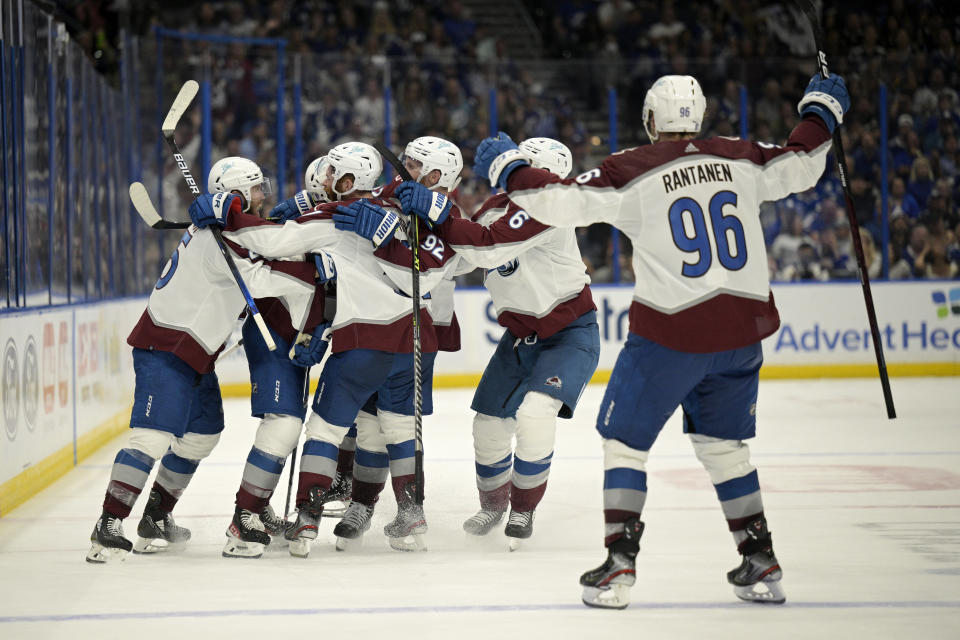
column 509, row 268
column 554, row 381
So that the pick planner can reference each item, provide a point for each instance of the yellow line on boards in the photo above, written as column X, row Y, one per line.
column 39, row 476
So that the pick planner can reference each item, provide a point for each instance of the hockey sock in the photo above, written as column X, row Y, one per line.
column 347, row 452
column 401, row 467
column 260, row 477
column 529, row 482
column 496, row 499
column 370, row 471
column 741, row 503
column 493, row 482
column 318, row 465
column 173, row 477
column 131, row 468
column 624, row 487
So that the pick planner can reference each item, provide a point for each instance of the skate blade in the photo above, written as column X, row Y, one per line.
column 146, row 546
column 335, row 509
column 240, row 549
column 412, row 542
column 100, row 554
column 300, row 548
column 515, row 543
column 615, row 596
column 349, row 544
column 762, row 592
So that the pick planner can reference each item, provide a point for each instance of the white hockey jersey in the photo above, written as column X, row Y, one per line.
column 691, row 210
column 534, row 273
column 373, row 287
column 195, row 304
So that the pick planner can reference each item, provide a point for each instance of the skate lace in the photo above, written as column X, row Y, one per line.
column 520, row 518
column 486, row 516
column 356, row 515
column 251, row 520
column 269, row 516
column 115, row 526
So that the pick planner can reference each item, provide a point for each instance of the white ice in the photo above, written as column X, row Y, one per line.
column 865, row 515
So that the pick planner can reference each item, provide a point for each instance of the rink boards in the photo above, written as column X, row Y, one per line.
column 67, row 377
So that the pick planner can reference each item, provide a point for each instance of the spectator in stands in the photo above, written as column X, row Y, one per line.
column 921, row 181
column 901, row 202
column 807, row 266
column 786, row 246
column 933, row 261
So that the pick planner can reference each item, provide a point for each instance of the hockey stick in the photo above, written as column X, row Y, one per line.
column 293, row 454
column 813, row 18
column 144, row 206
column 417, row 349
column 180, row 104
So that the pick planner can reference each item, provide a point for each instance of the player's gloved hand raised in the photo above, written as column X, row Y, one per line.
column 326, row 269
column 497, row 157
column 368, row 220
column 210, row 209
column 292, row 208
column 310, row 349
column 827, row 98
column 432, row 206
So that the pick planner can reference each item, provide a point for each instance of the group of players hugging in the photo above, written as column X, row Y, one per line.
column 332, row 266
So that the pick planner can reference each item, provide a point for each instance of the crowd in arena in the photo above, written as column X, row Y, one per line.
column 442, row 64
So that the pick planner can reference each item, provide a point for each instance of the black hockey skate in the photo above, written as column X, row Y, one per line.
column 355, row 523
column 337, row 498
column 608, row 586
column 273, row 524
column 157, row 531
column 108, row 542
column 757, row 579
column 246, row 535
column 480, row 523
column 519, row 527
column 304, row 531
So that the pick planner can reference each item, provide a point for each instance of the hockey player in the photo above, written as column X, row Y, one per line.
column 278, row 395
column 701, row 305
column 178, row 412
column 372, row 330
column 549, row 349
column 318, row 191
column 435, row 163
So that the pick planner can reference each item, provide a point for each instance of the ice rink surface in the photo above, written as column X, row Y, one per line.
column 865, row 515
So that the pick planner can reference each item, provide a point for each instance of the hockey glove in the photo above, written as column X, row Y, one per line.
column 827, row 98
column 367, row 220
column 292, row 208
column 497, row 157
column 326, row 269
column 416, row 199
column 210, row 209
column 309, row 349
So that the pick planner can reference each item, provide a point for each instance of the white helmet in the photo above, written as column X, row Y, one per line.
column 677, row 105
column 315, row 176
column 237, row 174
column 549, row 154
column 358, row 159
column 437, row 153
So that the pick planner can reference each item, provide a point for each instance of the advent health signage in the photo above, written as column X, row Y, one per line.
column 821, row 324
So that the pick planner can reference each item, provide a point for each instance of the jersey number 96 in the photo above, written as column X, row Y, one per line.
column 731, row 255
